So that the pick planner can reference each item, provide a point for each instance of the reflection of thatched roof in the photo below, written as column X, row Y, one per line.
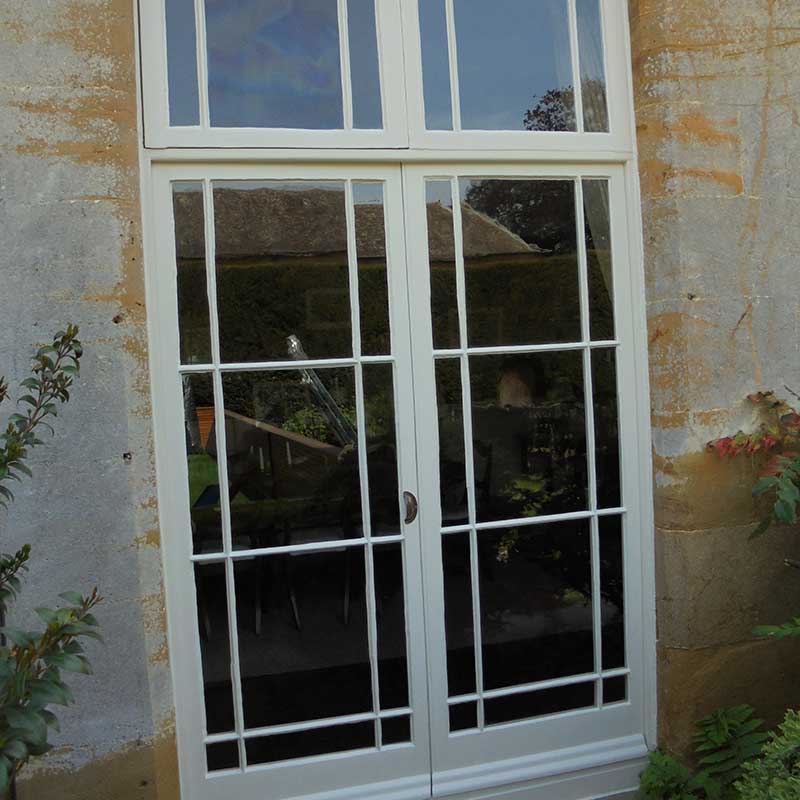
column 267, row 221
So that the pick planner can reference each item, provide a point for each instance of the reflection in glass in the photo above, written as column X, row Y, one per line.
column 190, row 259
column 593, row 78
column 215, row 652
column 396, row 730
column 384, row 492
column 281, row 253
column 222, row 755
column 390, row 605
column 598, row 258
column 513, row 56
column 529, row 434
column 184, row 106
column 302, row 626
column 615, row 690
column 201, row 456
column 364, row 77
column 498, row 710
column 452, row 462
column 612, row 590
column 274, row 64
column 463, row 716
column 536, row 603
column 442, row 264
column 373, row 290
column 606, row 425
column 292, row 457
column 435, row 65
column 285, row 746
column 459, row 629
column 520, row 255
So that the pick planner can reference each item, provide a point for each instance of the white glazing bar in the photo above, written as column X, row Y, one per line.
column 361, row 428
column 310, row 547
column 452, row 49
column 553, row 683
column 344, row 57
column 576, row 67
column 588, row 394
column 222, row 463
column 469, row 467
column 201, row 49
column 523, row 348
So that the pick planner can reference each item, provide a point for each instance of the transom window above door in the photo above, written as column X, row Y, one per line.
column 513, row 74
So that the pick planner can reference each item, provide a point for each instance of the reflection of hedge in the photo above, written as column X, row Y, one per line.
column 516, row 299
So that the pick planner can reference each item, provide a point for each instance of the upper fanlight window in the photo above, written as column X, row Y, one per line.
column 384, row 73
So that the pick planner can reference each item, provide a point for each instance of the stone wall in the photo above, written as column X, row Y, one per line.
column 716, row 92
column 71, row 251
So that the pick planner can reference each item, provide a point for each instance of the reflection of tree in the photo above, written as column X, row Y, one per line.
column 555, row 109
column 540, row 212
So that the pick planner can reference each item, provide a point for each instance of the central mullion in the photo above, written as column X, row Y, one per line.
column 361, row 427
column 466, row 401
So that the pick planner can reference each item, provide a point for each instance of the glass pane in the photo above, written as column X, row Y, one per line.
column 364, row 64
column 302, row 625
column 536, row 603
column 612, row 591
column 452, row 462
column 201, row 455
column 274, row 64
column 373, row 290
column 606, row 433
column 302, row 744
column 615, row 690
column 390, row 606
column 598, row 258
column 184, row 105
column 442, row 264
column 292, row 459
column 514, row 65
column 520, row 255
column 529, row 434
column 281, row 253
column 498, row 710
column 435, row 65
column 396, row 730
column 384, row 492
column 190, row 259
column 593, row 76
column 463, row 716
column 459, row 629
column 222, row 755
column 215, row 651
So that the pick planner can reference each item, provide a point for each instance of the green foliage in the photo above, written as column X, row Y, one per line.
column 33, row 663
column 776, row 774
column 726, row 739
column 723, row 743
column 667, row 779
column 788, row 630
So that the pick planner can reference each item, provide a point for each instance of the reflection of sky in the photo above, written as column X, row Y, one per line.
column 508, row 51
column 274, row 63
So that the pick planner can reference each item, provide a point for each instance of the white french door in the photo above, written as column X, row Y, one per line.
column 398, row 460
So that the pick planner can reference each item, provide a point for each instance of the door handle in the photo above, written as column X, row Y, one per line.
column 411, row 507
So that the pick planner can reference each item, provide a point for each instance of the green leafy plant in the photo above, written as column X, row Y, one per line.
column 32, row 663
column 723, row 743
column 775, row 775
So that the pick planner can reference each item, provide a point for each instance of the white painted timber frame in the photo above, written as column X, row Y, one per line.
column 593, row 752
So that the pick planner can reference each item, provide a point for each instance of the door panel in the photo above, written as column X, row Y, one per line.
column 525, row 536
column 287, row 363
